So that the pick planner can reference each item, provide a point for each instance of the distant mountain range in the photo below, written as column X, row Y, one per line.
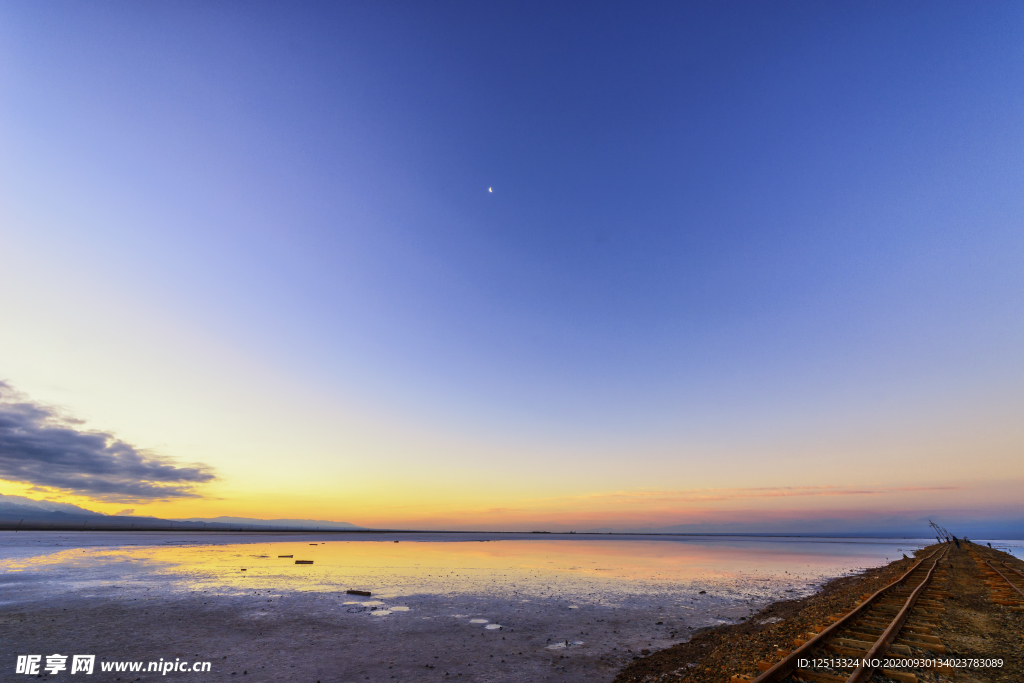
column 304, row 523
column 23, row 505
column 42, row 514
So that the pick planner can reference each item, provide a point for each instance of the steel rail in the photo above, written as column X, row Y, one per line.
column 1013, row 569
column 788, row 664
column 1008, row 582
column 866, row 670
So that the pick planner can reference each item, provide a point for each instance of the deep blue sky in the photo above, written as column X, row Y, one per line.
column 706, row 216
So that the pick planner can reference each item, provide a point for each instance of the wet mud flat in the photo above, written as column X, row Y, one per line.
column 974, row 627
column 330, row 637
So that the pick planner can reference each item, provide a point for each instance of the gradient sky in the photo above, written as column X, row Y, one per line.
column 739, row 258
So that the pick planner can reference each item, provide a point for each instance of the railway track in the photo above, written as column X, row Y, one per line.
column 897, row 621
column 1006, row 586
column 1014, row 569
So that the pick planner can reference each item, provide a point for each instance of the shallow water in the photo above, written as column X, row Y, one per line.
column 612, row 571
column 486, row 607
column 1013, row 547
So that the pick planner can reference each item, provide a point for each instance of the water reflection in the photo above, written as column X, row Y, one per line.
column 578, row 571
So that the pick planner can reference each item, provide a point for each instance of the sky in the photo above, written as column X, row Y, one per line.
column 514, row 266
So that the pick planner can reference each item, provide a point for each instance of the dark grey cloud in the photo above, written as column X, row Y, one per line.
column 39, row 446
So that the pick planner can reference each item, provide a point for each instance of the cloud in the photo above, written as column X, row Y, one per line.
column 710, row 495
column 41, row 447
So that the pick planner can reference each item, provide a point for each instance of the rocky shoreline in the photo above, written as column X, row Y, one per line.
column 974, row 627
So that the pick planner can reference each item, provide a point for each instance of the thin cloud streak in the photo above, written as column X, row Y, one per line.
column 649, row 496
column 40, row 447
column 788, row 508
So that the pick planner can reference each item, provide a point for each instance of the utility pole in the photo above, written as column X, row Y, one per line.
column 942, row 534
